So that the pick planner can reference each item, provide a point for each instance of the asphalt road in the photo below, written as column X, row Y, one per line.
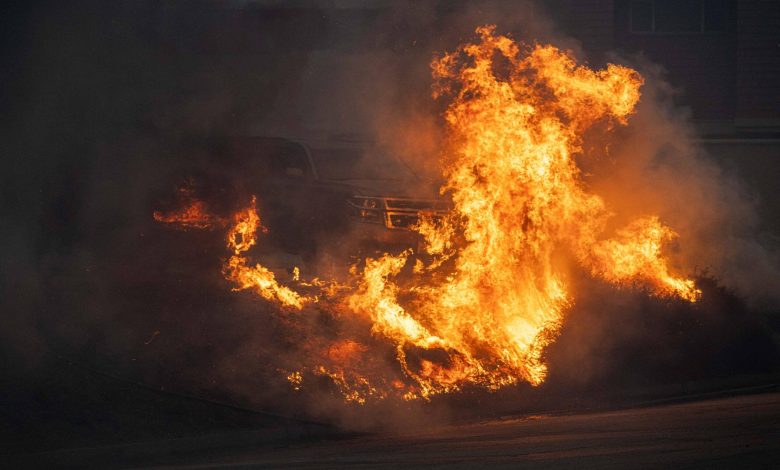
column 734, row 432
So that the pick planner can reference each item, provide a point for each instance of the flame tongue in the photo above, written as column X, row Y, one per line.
column 516, row 118
column 241, row 237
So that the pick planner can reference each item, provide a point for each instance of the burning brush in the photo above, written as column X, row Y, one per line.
column 493, row 291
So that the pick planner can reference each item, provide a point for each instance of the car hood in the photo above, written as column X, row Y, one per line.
column 414, row 189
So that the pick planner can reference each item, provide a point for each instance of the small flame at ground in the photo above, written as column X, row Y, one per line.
column 192, row 215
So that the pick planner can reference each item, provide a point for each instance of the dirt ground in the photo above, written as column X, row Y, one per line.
column 738, row 431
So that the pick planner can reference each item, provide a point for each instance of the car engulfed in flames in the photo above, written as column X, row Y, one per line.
column 493, row 287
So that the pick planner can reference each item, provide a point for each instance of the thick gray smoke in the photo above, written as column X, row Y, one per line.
column 656, row 164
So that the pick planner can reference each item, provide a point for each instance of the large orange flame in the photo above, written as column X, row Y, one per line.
column 522, row 216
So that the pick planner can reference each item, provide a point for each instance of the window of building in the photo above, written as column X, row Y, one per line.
column 679, row 16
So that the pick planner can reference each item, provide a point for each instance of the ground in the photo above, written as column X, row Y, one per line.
column 727, row 432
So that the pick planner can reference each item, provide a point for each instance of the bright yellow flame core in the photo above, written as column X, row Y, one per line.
column 516, row 117
column 519, row 201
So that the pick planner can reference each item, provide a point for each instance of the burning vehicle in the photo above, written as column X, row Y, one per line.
column 494, row 286
column 312, row 192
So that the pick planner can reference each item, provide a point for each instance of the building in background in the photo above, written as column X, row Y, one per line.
column 722, row 55
column 723, row 59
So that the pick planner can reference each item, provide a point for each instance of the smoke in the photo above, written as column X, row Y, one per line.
column 115, row 106
column 655, row 164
